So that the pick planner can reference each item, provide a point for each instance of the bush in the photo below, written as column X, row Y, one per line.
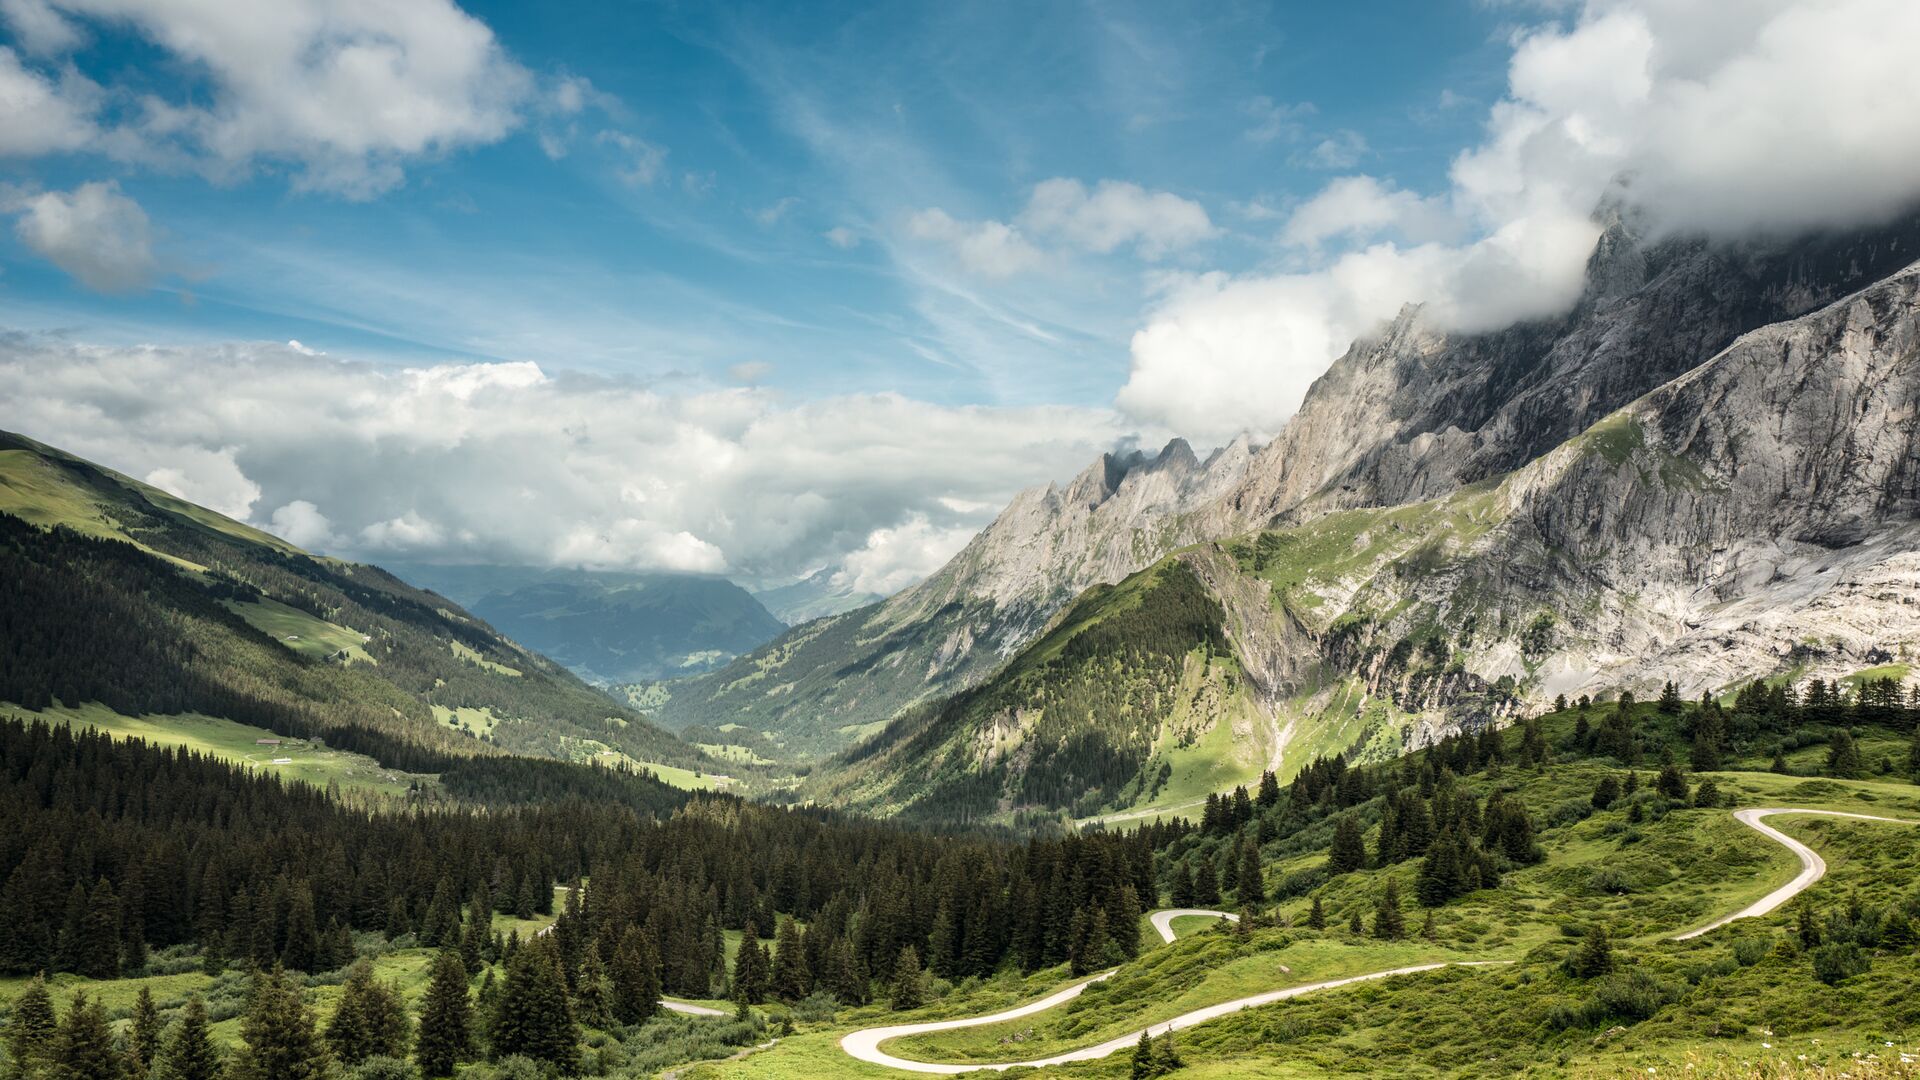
column 819, row 1006
column 1839, row 962
column 1567, row 812
column 383, row 1068
column 1629, row 995
column 1749, row 951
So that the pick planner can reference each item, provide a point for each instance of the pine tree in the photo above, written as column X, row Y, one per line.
column 905, row 986
column 1355, row 925
column 590, row 989
column 370, row 1020
column 1317, row 914
column 752, row 972
column 1606, row 792
column 1670, row 702
column 1206, row 887
column 83, row 1047
column 635, row 975
column 1253, row 889
column 186, row 1049
column 1269, row 789
column 446, row 1019
column 1594, row 957
column 791, row 980
column 1671, row 783
column 534, row 1018
column 31, row 1027
column 143, row 1035
column 279, row 1038
column 1388, row 922
column 99, row 951
column 303, row 937
column 1143, row 1060
column 1349, row 851
column 1843, row 756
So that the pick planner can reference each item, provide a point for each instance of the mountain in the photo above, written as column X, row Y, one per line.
column 827, row 591
column 122, row 599
column 1406, row 415
column 826, row 683
column 610, row 627
column 1759, row 513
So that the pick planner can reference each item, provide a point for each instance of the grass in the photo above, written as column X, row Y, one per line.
column 467, row 653
column 301, row 632
column 229, row 741
column 479, row 722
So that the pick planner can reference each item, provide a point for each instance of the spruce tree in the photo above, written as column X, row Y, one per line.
column 302, row 952
column 446, row 1019
column 1253, row 890
column 279, row 1039
column 1206, row 887
column 186, row 1049
column 1349, row 851
column 1388, row 922
column 635, row 977
column 1843, row 756
column 1594, row 957
column 31, row 1027
column 1317, row 914
column 99, row 951
column 904, row 989
column 83, row 1047
column 370, row 1020
column 1355, row 925
column 534, row 1017
column 143, row 1035
column 1143, row 1061
column 791, row 979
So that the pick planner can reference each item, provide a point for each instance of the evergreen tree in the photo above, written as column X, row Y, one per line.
column 791, row 979
column 1913, row 755
column 1317, row 914
column 30, row 1028
column 905, row 986
column 1206, row 887
column 302, row 952
column 446, row 1019
column 279, row 1041
column 1143, row 1060
column 534, row 1017
column 1253, row 890
column 1843, row 756
column 1269, row 789
column 186, row 1049
column 143, row 1035
column 370, row 1020
column 83, row 1047
column 635, row 976
column 1671, row 783
column 752, row 970
column 1606, row 793
column 1355, row 925
column 1670, row 702
column 98, row 952
column 1183, row 886
column 1594, row 957
column 1388, row 922
column 1349, row 851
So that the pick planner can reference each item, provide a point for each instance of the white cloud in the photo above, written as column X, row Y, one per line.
column 344, row 92
column 641, row 162
column 504, row 462
column 1115, row 214
column 1362, row 207
column 897, row 557
column 301, row 524
column 1340, row 150
column 1725, row 119
column 769, row 216
column 842, row 237
column 988, row 248
column 92, row 232
column 1274, row 121
column 40, row 116
column 749, row 372
column 39, row 28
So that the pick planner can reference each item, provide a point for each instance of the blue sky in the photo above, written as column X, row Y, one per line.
column 776, row 124
column 759, row 289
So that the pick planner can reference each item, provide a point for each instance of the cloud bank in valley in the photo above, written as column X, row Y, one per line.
column 504, row 462
column 1766, row 116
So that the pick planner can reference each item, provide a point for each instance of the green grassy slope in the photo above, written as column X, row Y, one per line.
column 208, row 616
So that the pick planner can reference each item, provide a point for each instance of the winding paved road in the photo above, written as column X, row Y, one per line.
column 1812, row 866
column 865, row 1045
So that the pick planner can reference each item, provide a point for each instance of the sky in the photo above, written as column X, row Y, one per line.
column 756, row 289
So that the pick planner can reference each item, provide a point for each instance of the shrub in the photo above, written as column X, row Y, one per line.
column 1749, row 951
column 383, row 1068
column 1630, row 995
column 1567, row 812
column 1839, row 962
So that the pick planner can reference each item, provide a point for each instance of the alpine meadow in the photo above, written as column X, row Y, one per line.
column 1101, row 541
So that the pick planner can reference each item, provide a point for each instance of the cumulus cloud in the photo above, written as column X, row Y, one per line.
column 842, row 237
column 505, row 462
column 901, row 555
column 342, row 92
column 1114, row 214
column 987, row 248
column 93, row 232
column 1067, row 216
column 1722, row 119
column 39, row 115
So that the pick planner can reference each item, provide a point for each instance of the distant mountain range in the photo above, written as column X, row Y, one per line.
column 610, row 627
column 824, row 592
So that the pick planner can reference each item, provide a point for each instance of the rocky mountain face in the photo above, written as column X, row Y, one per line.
column 1757, row 514
column 1407, row 415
